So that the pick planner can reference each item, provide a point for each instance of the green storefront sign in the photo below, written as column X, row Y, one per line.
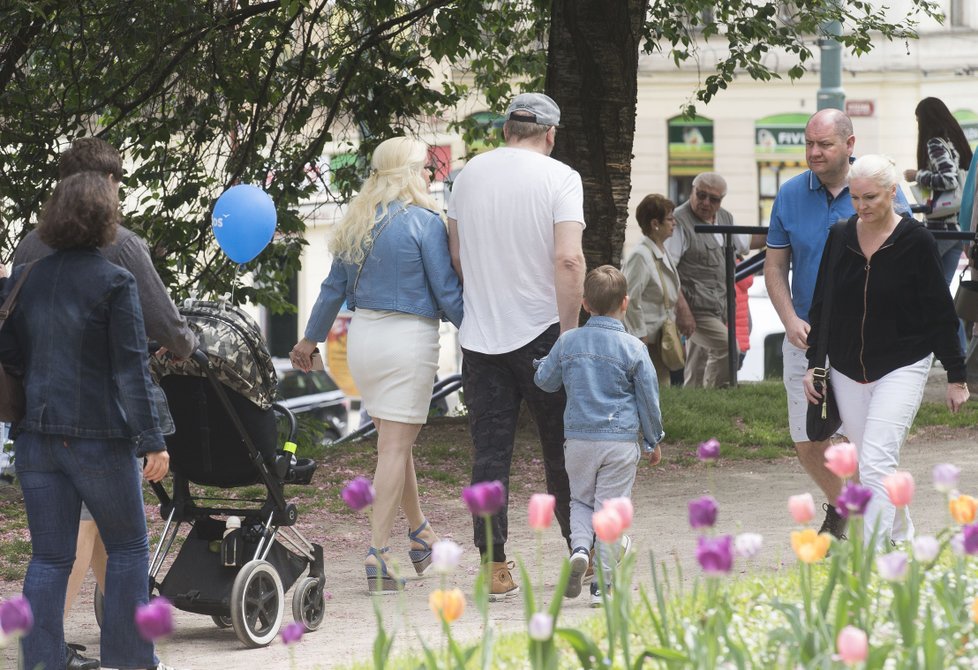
column 780, row 137
column 690, row 145
column 969, row 124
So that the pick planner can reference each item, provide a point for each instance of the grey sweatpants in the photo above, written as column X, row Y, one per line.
column 597, row 471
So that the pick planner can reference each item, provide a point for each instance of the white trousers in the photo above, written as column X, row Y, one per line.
column 877, row 416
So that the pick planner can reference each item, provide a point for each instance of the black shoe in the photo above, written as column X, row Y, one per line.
column 833, row 524
column 76, row 661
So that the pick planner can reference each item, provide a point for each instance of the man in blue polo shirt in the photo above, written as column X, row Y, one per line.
column 806, row 207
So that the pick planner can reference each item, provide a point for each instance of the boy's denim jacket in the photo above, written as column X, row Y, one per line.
column 77, row 333
column 409, row 269
column 612, row 389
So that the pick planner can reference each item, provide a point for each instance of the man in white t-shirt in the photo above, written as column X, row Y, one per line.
column 515, row 224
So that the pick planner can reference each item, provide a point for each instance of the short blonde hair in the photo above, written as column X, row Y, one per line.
column 605, row 289
column 395, row 176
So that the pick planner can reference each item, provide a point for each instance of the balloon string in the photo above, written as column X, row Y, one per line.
column 237, row 276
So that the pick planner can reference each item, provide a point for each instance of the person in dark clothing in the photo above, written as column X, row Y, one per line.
column 890, row 311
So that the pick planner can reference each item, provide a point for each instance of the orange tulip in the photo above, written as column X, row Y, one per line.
column 447, row 605
column 963, row 509
column 809, row 546
column 974, row 610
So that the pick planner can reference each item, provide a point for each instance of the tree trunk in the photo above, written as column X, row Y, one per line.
column 592, row 73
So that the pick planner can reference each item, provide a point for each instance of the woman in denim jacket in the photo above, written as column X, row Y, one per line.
column 77, row 334
column 392, row 266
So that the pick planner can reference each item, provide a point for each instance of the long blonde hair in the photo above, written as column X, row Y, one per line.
column 395, row 176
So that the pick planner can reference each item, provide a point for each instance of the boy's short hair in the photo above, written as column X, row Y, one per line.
column 90, row 154
column 605, row 289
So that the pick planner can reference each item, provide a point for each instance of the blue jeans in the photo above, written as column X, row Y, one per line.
column 56, row 474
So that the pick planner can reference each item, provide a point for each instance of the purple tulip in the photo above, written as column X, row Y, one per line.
column 853, row 500
column 358, row 494
column 16, row 617
column 946, row 477
column 155, row 619
column 484, row 498
column 292, row 633
column 709, row 450
column 893, row 566
column 715, row 554
column 970, row 539
column 702, row 512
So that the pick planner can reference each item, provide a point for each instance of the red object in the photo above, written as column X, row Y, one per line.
column 743, row 313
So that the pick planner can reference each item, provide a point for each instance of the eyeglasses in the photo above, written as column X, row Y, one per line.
column 714, row 199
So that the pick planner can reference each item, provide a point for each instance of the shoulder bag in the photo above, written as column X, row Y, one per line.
column 12, row 400
column 823, row 418
column 669, row 344
column 942, row 203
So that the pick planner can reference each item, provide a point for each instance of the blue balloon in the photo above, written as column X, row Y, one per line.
column 243, row 222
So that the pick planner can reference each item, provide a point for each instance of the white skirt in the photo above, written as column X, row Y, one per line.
column 393, row 358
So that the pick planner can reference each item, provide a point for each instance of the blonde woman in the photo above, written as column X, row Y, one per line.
column 391, row 265
column 653, row 283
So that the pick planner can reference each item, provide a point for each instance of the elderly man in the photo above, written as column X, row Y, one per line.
column 701, row 312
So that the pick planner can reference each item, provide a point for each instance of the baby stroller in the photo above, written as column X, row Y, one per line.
column 227, row 436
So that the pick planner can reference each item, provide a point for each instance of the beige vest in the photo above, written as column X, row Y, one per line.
column 702, row 271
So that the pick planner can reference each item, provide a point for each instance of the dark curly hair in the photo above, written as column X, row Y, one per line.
column 654, row 207
column 90, row 154
column 83, row 212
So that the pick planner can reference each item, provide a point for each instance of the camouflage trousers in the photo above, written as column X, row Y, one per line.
column 495, row 386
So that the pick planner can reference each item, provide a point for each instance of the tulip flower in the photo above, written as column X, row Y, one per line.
column 946, row 477
column 957, row 544
column 809, row 546
column 853, row 500
column 715, row 554
column 926, row 548
column 963, row 509
column 484, row 498
column 16, row 617
column 970, row 544
column 154, row 620
column 624, row 508
column 802, row 508
column 842, row 460
column 708, row 451
column 292, row 633
column 445, row 556
column 608, row 525
column 702, row 512
column 974, row 610
column 852, row 645
column 540, row 627
column 899, row 487
column 746, row 545
column 447, row 605
column 893, row 566
column 358, row 494
column 541, row 510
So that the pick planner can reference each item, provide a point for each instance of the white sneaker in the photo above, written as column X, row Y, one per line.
column 579, row 561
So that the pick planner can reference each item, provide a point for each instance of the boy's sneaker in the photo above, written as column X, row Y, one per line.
column 596, row 600
column 624, row 547
column 502, row 587
column 579, row 562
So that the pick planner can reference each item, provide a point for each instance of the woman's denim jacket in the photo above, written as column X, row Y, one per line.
column 77, row 334
column 409, row 269
column 612, row 390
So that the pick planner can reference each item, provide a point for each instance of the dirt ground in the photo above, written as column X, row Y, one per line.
column 751, row 494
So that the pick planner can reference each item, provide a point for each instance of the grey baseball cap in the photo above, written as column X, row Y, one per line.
column 534, row 108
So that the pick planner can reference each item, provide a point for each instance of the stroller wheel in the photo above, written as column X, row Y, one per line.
column 308, row 604
column 257, row 603
column 99, row 605
column 221, row 621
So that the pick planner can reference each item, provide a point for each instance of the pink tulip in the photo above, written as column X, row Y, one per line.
column 624, row 508
column 802, row 508
column 607, row 524
column 899, row 486
column 852, row 645
column 842, row 460
column 541, row 510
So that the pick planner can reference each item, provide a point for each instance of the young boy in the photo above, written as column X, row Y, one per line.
column 612, row 398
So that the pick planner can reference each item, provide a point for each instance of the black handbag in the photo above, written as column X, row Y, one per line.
column 823, row 420
column 13, row 404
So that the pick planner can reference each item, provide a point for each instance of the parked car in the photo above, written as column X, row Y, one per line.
column 313, row 394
